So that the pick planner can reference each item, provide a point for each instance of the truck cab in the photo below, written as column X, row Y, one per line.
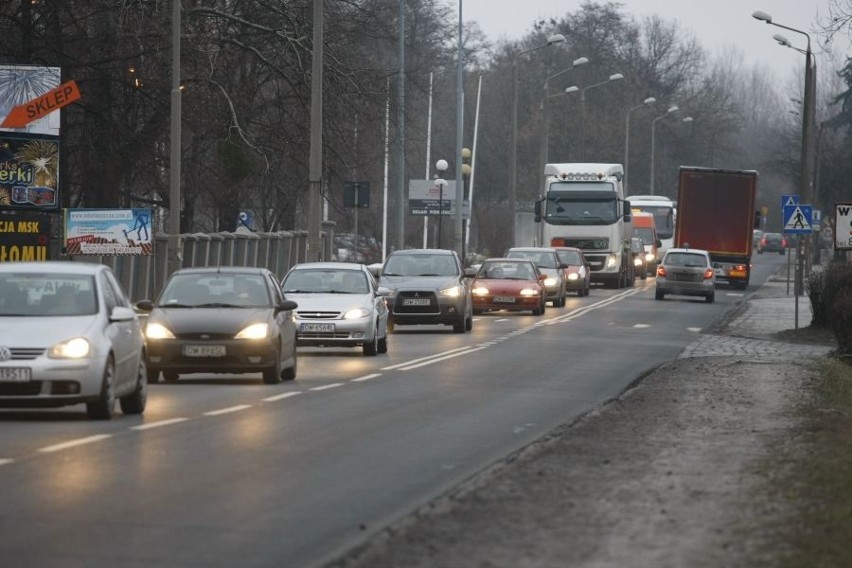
column 583, row 206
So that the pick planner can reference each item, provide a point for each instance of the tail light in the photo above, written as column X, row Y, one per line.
column 784, row 243
column 661, row 271
column 708, row 274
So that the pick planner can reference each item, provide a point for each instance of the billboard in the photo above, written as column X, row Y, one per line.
column 29, row 172
column 22, row 84
column 426, row 198
column 24, row 237
column 108, row 232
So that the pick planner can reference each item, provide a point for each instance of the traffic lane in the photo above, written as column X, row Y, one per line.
column 292, row 477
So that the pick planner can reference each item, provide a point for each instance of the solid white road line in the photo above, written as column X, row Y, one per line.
column 392, row 367
column 641, row 325
column 227, row 410
column 4, row 461
column 74, row 443
column 281, row 396
column 150, row 425
column 326, row 387
column 693, row 329
column 417, row 366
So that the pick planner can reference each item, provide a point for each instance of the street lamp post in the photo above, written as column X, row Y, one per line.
column 646, row 102
column 671, row 109
column 808, row 116
column 545, row 126
column 441, row 166
column 513, row 158
column 610, row 79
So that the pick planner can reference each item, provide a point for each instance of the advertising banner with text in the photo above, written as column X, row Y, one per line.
column 29, row 172
column 108, row 232
column 24, row 237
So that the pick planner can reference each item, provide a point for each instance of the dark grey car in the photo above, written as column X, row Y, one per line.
column 429, row 286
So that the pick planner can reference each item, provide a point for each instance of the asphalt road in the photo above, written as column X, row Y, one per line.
column 224, row 470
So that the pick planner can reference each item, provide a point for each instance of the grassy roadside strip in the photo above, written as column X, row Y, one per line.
column 811, row 488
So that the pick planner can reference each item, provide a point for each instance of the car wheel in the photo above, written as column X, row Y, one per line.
column 289, row 374
column 170, row 376
column 477, row 312
column 272, row 375
column 459, row 326
column 371, row 348
column 134, row 403
column 468, row 322
column 710, row 297
column 152, row 375
column 643, row 275
column 659, row 295
column 383, row 344
column 539, row 310
column 104, row 407
column 391, row 326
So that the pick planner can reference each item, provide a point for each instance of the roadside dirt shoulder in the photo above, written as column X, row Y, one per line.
column 672, row 473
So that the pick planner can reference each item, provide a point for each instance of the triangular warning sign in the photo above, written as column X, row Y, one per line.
column 798, row 220
column 790, row 201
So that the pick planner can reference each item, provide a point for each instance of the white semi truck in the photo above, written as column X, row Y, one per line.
column 583, row 206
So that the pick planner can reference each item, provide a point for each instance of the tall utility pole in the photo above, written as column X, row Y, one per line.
column 458, row 240
column 400, row 195
column 175, row 257
column 315, row 174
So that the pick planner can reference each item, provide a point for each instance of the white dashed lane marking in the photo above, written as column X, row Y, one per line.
column 326, row 387
column 75, row 443
column 227, row 410
column 151, row 425
column 281, row 396
column 366, row 377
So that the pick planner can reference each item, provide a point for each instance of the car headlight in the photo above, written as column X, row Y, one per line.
column 529, row 292
column 637, row 261
column 573, row 276
column 480, row 291
column 356, row 313
column 254, row 331
column 158, row 331
column 76, row 348
column 611, row 261
column 649, row 256
column 550, row 281
column 453, row 292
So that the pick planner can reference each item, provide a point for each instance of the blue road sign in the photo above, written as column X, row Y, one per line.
column 798, row 219
column 787, row 200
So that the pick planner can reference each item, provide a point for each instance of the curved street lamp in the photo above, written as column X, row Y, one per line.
column 647, row 102
column 545, row 127
column 513, row 158
column 808, row 115
column 610, row 79
column 671, row 110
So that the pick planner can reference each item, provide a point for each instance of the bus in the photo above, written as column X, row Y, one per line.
column 665, row 215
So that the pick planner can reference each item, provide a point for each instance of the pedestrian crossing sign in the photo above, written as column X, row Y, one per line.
column 798, row 219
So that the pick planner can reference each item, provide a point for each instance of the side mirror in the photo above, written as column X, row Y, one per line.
column 627, row 210
column 563, row 265
column 122, row 313
column 382, row 291
column 542, row 277
column 286, row 306
column 469, row 273
column 145, row 306
column 658, row 243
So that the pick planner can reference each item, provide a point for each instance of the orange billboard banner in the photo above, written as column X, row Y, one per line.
column 54, row 99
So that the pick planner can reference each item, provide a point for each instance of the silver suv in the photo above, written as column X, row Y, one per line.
column 429, row 286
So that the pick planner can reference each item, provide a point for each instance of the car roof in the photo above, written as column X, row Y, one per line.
column 423, row 251
column 330, row 264
column 504, row 259
column 532, row 249
column 61, row 266
column 222, row 270
column 688, row 250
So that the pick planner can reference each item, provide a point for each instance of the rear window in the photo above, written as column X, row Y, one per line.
column 542, row 259
column 685, row 259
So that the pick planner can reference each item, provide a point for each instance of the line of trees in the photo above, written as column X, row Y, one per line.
column 245, row 74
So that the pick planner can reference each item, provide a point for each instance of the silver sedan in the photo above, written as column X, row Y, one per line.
column 340, row 305
column 69, row 336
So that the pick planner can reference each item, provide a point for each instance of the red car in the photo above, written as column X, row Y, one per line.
column 509, row 284
column 577, row 273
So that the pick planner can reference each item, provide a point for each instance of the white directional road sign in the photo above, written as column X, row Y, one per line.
column 843, row 226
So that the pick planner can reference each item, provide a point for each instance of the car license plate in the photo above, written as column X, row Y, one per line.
column 14, row 374
column 504, row 299
column 317, row 328
column 415, row 301
column 204, row 350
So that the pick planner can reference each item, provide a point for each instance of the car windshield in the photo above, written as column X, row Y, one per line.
column 689, row 259
column 543, row 259
column 420, row 265
column 326, row 281
column 47, row 294
column 569, row 257
column 506, row 270
column 229, row 290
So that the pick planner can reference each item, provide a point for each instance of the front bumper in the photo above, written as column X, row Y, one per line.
column 53, row 382
column 425, row 307
column 232, row 355
column 345, row 333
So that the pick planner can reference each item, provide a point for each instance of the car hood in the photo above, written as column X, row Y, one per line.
column 397, row 283
column 549, row 271
column 497, row 285
column 330, row 302
column 45, row 331
column 208, row 320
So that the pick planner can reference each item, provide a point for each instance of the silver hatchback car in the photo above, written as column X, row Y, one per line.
column 69, row 335
column 686, row 272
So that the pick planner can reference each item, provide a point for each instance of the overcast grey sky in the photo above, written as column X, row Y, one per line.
column 715, row 23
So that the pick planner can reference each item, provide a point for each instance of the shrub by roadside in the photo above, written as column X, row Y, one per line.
column 830, row 294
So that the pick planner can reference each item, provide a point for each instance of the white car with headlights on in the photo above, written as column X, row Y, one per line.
column 340, row 305
column 69, row 336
